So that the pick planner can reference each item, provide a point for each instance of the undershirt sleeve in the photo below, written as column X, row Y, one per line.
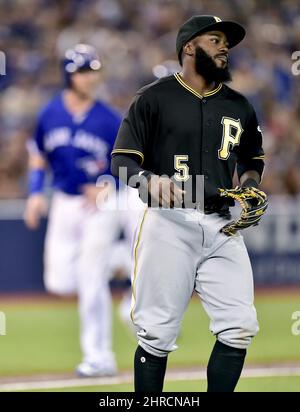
column 251, row 154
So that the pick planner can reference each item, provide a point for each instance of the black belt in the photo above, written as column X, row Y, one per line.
column 220, row 209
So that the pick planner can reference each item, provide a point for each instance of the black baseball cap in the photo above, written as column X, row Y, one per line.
column 200, row 24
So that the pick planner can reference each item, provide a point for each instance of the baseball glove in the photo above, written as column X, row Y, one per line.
column 254, row 203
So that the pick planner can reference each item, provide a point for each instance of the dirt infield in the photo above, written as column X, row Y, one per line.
column 56, row 381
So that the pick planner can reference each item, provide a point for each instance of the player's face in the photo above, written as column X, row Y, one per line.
column 215, row 44
column 85, row 82
column 206, row 66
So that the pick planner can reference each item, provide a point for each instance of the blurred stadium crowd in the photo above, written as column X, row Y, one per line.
column 136, row 43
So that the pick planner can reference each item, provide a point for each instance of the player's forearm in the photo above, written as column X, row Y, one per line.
column 252, row 165
column 37, row 161
column 127, row 169
column 250, row 178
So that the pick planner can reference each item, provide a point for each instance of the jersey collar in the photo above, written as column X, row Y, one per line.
column 190, row 89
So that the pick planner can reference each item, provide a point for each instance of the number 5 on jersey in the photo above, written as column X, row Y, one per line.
column 232, row 130
column 181, row 167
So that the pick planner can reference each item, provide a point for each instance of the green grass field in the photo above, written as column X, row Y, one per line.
column 43, row 338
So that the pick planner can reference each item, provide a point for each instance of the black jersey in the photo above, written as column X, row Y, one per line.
column 175, row 131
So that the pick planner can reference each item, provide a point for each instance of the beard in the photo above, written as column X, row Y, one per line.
column 207, row 68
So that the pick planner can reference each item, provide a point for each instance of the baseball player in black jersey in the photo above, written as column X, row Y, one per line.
column 178, row 128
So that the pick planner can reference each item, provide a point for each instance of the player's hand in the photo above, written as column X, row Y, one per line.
column 36, row 208
column 165, row 192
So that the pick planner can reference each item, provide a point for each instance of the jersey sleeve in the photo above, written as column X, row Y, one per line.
column 135, row 129
column 38, row 135
column 250, row 153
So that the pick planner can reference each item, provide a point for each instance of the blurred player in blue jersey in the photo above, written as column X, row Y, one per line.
column 73, row 138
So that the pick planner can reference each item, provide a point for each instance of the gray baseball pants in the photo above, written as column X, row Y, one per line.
column 181, row 251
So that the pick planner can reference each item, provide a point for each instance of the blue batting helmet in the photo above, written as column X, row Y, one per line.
column 81, row 57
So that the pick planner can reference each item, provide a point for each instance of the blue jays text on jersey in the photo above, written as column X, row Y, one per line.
column 77, row 148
